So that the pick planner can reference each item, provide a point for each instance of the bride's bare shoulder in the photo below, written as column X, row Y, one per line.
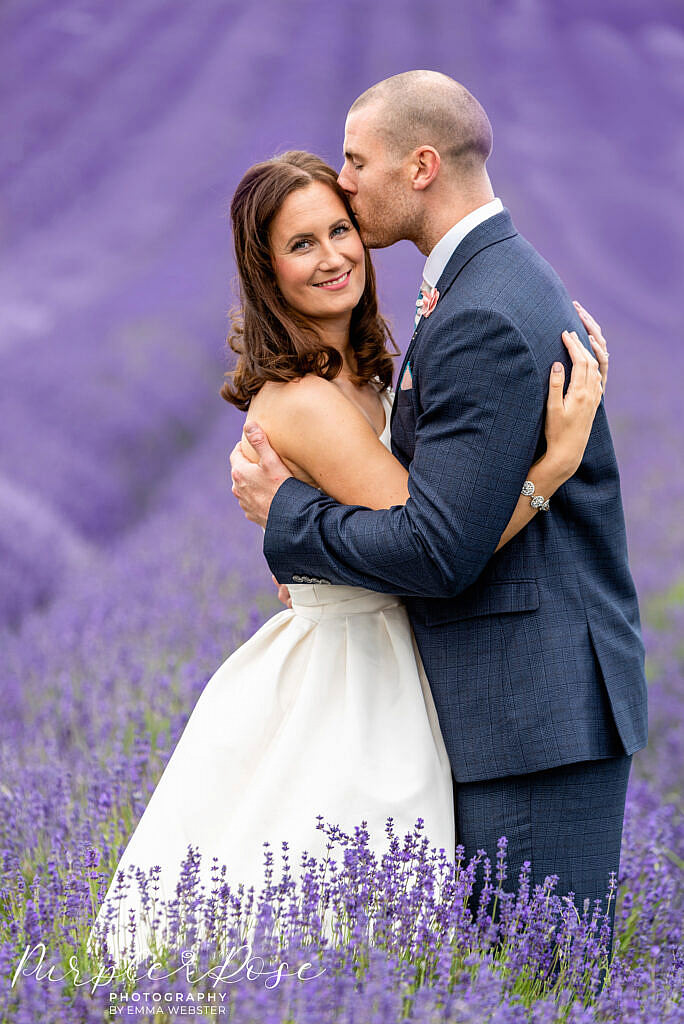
column 288, row 411
column 310, row 387
column 309, row 395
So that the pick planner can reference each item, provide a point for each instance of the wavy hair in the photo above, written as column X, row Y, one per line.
column 272, row 340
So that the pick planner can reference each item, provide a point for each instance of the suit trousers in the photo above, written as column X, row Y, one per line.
column 566, row 821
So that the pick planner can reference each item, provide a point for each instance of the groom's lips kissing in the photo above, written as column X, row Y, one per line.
column 333, row 284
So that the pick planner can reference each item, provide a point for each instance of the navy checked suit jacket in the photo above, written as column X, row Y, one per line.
column 533, row 653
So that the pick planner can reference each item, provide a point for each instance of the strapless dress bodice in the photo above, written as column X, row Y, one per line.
column 318, row 600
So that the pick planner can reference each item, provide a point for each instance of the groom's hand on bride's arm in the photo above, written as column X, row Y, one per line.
column 482, row 413
column 255, row 483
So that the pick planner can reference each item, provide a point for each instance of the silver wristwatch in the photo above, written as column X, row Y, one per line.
column 538, row 501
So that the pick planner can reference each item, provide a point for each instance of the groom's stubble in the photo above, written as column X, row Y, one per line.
column 389, row 220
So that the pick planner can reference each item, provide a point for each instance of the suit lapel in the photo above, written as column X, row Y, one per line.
column 489, row 232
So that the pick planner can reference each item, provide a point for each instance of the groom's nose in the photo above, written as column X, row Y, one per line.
column 345, row 182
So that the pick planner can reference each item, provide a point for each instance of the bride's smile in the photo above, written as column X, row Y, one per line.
column 335, row 282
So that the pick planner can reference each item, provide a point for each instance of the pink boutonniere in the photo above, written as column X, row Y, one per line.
column 429, row 302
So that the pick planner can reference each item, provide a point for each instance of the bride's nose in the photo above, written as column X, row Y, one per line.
column 331, row 258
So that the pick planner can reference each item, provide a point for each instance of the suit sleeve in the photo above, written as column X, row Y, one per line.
column 478, row 427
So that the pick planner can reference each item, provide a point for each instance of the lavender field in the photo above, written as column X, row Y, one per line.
column 127, row 571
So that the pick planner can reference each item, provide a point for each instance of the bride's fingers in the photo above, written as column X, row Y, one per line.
column 580, row 357
column 599, row 347
column 598, row 343
column 587, row 378
column 598, row 370
column 585, row 314
column 595, row 375
column 603, row 357
column 590, row 323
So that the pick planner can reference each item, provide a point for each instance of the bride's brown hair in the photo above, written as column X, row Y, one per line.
column 272, row 340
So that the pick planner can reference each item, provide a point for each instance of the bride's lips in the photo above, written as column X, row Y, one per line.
column 333, row 284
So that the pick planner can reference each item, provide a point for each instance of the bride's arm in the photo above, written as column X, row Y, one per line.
column 326, row 440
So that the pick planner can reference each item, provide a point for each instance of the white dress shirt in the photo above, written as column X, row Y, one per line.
column 442, row 252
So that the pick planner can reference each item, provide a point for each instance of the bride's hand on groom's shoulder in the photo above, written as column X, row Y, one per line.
column 255, row 483
column 570, row 416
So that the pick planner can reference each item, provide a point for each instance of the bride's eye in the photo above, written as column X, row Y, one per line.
column 296, row 245
column 341, row 227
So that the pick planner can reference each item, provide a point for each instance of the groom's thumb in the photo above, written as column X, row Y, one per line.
column 255, row 436
column 258, row 440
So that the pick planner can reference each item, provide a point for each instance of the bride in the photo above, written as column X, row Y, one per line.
column 326, row 710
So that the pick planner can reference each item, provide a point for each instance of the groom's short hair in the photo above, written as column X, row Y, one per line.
column 430, row 108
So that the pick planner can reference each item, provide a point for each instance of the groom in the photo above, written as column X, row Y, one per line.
column 533, row 653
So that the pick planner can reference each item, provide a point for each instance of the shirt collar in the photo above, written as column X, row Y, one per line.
column 441, row 254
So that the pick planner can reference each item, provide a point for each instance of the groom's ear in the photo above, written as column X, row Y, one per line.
column 425, row 167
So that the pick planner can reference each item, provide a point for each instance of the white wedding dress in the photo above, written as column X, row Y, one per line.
column 325, row 710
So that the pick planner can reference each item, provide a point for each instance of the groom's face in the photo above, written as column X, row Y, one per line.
column 375, row 181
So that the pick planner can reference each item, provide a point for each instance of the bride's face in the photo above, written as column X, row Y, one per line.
column 318, row 256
